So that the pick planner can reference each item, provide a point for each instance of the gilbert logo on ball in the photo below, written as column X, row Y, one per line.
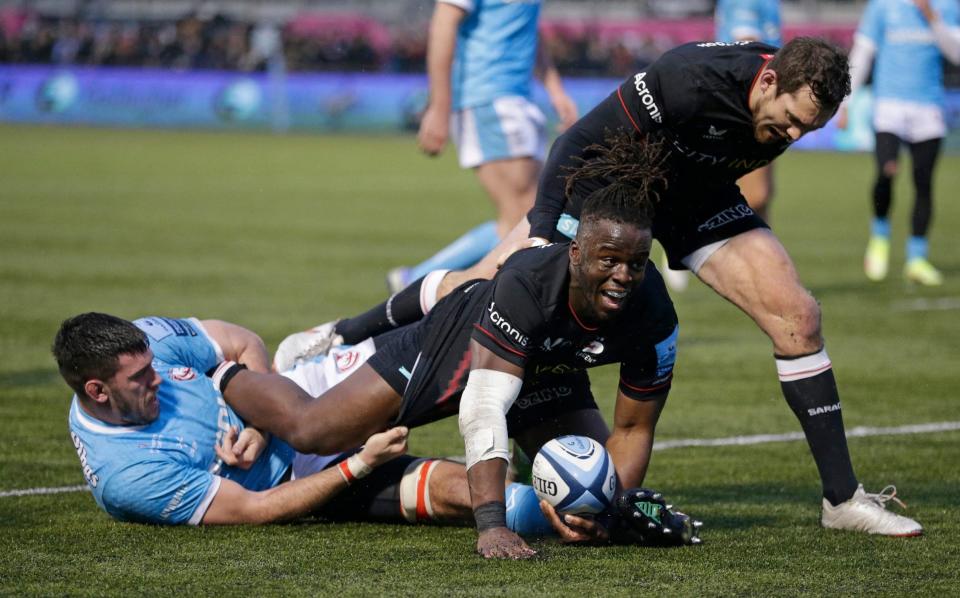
column 574, row 474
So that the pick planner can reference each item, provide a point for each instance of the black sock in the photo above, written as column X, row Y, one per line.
column 399, row 310
column 816, row 404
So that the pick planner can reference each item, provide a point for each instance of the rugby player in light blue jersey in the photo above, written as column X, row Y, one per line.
column 482, row 56
column 158, row 444
column 906, row 41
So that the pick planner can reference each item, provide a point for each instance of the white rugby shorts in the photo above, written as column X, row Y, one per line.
column 912, row 122
column 509, row 127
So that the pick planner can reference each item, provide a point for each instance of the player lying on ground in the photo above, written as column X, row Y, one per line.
column 722, row 110
column 509, row 355
column 157, row 443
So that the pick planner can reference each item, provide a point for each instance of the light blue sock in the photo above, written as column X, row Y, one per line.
column 917, row 247
column 880, row 227
column 462, row 253
column 523, row 512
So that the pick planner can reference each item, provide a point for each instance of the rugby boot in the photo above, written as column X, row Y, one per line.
column 301, row 346
column 920, row 271
column 876, row 261
column 865, row 512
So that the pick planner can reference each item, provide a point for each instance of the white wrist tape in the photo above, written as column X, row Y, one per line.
column 353, row 468
column 483, row 414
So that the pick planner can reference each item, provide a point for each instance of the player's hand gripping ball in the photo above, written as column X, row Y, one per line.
column 575, row 474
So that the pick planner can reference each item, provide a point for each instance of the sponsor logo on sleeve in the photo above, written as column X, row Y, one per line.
column 497, row 319
column 646, row 98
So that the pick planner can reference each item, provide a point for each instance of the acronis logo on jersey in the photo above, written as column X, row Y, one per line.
column 500, row 322
column 646, row 98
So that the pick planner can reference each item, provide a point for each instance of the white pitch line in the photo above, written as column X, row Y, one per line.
column 35, row 491
column 923, row 304
column 857, row 432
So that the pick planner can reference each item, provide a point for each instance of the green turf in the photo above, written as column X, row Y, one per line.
column 277, row 233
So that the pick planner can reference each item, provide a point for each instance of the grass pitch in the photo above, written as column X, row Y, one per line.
column 278, row 233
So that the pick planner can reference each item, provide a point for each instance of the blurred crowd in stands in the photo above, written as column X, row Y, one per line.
column 314, row 42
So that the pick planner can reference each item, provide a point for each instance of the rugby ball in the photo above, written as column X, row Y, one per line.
column 575, row 474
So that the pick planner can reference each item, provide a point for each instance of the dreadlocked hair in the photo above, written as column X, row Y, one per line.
column 626, row 172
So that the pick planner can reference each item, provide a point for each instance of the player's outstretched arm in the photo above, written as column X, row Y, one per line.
column 547, row 72
column 492, row 387
column 234, row 504
column 441, row 46
column 631, row 440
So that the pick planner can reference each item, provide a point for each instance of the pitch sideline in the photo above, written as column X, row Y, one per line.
column 857, row 432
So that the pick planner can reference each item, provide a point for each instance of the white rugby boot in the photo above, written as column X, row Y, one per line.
column 866, row 512
column 301, row 346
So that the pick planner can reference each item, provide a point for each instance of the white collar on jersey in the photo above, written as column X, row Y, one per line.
column 95, row 425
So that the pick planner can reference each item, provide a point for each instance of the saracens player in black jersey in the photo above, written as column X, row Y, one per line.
column 723, row 110
column 509, row 355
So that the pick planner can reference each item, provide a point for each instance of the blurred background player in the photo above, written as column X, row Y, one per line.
column 481, row 59
column 906, row 41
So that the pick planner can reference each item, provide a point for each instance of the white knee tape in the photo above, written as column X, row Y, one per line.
column 415, row 491
column 483, row 409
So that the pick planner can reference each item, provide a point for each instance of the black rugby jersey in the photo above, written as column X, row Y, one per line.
column 526, row 319
column 694, row 98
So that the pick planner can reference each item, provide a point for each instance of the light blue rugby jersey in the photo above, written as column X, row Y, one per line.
column 167, row 471
column 496, row 50
column 759, row 19
column 907, row 65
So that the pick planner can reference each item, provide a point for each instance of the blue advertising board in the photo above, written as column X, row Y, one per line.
column 322, row 102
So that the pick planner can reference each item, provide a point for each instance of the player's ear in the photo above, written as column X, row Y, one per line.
column 96, row 390
column 768, row 78
column 575, row 254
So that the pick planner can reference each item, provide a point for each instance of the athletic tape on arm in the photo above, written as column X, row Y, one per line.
column 483, row 414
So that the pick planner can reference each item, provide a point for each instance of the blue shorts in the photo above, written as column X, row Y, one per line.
column 508, row 127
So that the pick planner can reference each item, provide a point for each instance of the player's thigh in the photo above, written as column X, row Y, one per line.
column 755, row 273
column 348, row 413
column 886, row 150
column 691, row 218
column 510, row 180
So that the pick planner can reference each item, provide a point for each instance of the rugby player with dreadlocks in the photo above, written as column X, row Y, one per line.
column 509, row 354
